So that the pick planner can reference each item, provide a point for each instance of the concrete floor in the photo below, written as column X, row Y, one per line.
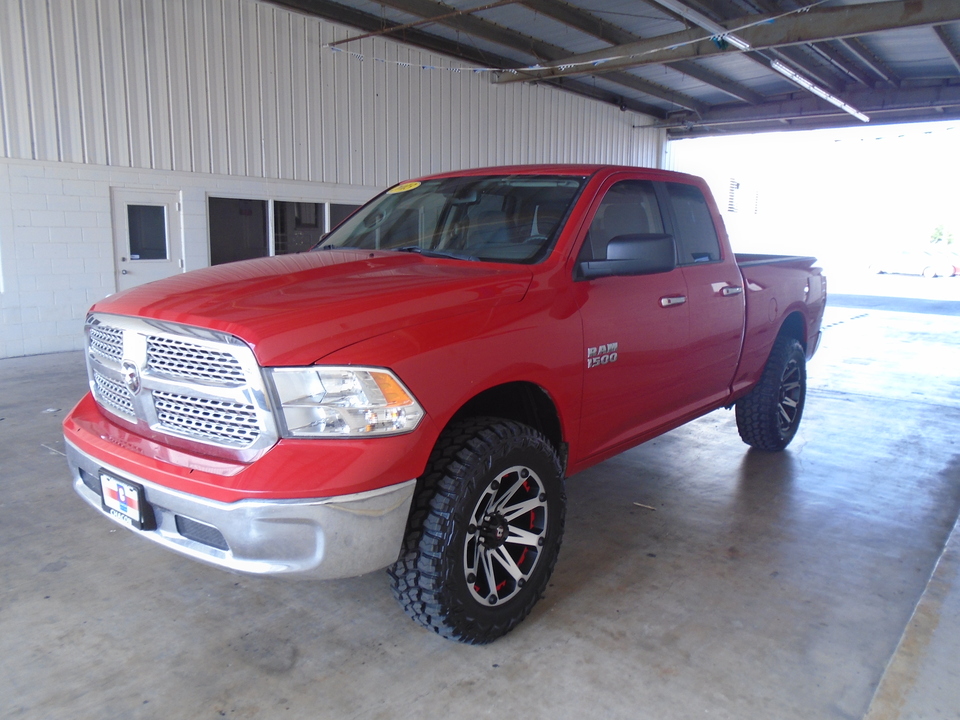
column 761, row 586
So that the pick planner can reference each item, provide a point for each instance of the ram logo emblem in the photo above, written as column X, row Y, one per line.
column 602, row 354
column 131, row 376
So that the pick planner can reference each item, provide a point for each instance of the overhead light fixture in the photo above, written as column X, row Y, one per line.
column 722, row 33
column 735, row 41
column 701, row 20
column 817, row 90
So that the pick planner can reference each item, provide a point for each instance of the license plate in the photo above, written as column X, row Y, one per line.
column 122, row 499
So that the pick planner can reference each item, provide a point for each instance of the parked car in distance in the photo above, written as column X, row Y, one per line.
column 928, row 263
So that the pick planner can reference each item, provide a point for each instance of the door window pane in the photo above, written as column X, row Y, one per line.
column 147, row 226
column 630, row 207
column 696, row 234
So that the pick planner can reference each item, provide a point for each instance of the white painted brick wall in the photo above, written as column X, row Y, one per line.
column 56, row 239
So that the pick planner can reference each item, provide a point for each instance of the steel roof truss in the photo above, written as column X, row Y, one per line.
column 948, row 43
column 811, row 26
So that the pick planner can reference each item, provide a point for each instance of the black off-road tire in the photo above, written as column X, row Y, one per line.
column 769, row 415
column 479, row 467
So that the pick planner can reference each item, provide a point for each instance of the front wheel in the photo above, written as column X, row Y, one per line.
column 769, row 415
column 484, row 532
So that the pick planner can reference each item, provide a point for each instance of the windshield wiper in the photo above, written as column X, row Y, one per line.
column 435, row 253
column 337, row 247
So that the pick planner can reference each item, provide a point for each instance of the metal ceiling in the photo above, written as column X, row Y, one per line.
column 699, row 67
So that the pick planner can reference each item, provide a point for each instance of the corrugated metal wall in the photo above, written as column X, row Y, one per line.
column 243, row 88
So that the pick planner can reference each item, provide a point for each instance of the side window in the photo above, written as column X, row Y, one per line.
column 697, row 240
column 628, row 208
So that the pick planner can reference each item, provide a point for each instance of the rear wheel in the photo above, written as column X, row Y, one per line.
column 484, row 532
column 769, row 415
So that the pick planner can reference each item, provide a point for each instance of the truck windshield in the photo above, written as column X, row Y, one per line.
column 511, row 219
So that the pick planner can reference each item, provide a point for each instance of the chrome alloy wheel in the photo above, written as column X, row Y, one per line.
column 790, row 395
column 505, row 536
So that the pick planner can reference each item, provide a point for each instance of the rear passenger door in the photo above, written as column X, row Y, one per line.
column 715, row 296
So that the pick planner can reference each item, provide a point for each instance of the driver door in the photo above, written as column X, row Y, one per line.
column 635, row 328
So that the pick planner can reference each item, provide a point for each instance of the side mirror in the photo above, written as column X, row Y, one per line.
column 637, row 254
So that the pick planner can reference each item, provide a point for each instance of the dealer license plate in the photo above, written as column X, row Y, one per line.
column 123, row 500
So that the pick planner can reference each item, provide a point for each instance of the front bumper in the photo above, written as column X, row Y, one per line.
column 333, row 537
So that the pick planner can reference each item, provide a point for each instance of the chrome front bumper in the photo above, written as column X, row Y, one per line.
column 333, row 537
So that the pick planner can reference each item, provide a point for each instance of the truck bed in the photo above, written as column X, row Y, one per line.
column 750, row 260
column 777, row 286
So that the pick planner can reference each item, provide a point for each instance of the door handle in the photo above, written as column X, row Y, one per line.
column 672, row 300
column 731, row 290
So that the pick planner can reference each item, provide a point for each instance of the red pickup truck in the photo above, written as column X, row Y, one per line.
column 412, row 393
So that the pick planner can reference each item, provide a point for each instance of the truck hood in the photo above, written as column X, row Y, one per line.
column 295, row 309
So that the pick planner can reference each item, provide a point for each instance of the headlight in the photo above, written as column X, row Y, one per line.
column 343, row 402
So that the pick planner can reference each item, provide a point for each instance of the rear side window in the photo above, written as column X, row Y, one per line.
column 697, row 240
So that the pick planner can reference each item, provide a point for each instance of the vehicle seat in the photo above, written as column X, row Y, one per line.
column 489, row 228
column 614, row 220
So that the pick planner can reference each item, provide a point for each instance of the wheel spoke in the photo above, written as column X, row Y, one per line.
column 522, row 537
column 484, row 506
column 487, row 563
column 788, row 386
column 500, row 504
column 473, row 563
column 789, row 402
column 503, row 557
column 786, row 418
column 521, row 508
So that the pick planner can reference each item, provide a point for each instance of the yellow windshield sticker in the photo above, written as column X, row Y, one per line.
column 403, row 187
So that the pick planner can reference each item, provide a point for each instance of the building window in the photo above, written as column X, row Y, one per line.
column 297, row 226
column 147, row 225
column 240, row 227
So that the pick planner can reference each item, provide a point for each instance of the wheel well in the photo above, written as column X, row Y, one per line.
column 794, row 327
column 524, row 402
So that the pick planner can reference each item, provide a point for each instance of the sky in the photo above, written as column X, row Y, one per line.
column 842, row 195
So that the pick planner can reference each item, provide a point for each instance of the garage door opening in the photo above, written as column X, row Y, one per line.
column 875, row 205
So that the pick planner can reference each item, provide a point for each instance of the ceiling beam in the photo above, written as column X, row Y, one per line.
column 604, row 96
column 708, row 14
column 531, row 46
column 608, row 32
column 876, row 102
column 834, row 56
column 822, row 50
column 730, row 87
column 645, row 86
column 341, row 14
column 811, row 123
column 863, row 54
column 947, row 41
column 581, row 20
column 429, row 9
column 811, row 26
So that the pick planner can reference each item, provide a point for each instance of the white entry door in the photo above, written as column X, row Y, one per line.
column 146, row 236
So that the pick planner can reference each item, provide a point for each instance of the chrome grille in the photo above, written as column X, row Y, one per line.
column 186, row 360
column 107, row 342
column 113, row 395
column 199, row 389
column 217, row 420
